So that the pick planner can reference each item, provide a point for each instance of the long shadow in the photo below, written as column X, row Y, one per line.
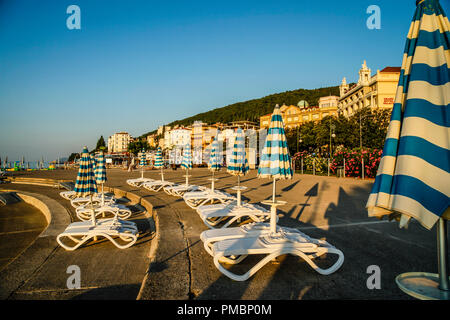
column 291, row 186
column 116, row 292
column 310, row 193
column 158, row 266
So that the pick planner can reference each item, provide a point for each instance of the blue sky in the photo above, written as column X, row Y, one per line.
column 135, row 65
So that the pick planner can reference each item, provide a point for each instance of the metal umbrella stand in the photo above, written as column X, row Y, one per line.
column 412, row 179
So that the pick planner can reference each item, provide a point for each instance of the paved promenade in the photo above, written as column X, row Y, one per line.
column 323, row 207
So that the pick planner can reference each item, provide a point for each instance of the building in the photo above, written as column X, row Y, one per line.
column 377, row 91
column 294, row 116
column 118, row 142
column 152, row 140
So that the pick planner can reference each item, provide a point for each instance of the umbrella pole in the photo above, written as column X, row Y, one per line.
column 273, row 211
column 162, row 174
column 212, row 181
column 103, row 197
column 92, row 214
column 187, row 177
column 442, row 254
column 273, row 190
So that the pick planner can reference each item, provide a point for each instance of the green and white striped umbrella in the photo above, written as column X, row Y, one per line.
column 85, row 184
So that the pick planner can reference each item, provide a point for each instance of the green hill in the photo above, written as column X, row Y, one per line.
column 251, row 110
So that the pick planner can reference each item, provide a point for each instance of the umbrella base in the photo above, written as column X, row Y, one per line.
column 422, row 285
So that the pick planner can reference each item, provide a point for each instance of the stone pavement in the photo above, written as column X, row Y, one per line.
column 323, row 207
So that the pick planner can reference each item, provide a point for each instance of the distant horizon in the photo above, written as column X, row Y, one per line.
column 135, row 66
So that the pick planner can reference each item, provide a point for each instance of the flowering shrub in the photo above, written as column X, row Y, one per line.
column 352, row 158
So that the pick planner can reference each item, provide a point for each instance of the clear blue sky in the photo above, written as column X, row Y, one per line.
column 135, row 65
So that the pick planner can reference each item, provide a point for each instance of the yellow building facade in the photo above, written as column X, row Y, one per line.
column 294, row 116
column 377, row 91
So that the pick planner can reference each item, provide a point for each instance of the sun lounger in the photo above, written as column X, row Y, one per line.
column 199, row 198
column 180, row 189
column 156, row 185
column 118, row 210
column 213, row 215
column 209, row 237
column 76, row 202
column 285, row 241
column 103, row 223
column 80, row 234
column 139, row 181
column 68, row 195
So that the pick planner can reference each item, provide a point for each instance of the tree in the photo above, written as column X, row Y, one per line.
column 100, row 144
column 374, row 124
column 137, row 146
column 73, row 156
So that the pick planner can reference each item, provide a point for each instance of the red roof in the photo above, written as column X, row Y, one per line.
column 391, row 69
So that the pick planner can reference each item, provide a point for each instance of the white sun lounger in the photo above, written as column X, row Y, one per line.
column 273, row 245
column 105, row 223
column 80, row 234
column 196, row 199
column 76, row 202
column 139, row 181
column 70, row 195
column 156, row 185
column 180, row 189
column 118, row 210
column 209, row 237
column 213, row 215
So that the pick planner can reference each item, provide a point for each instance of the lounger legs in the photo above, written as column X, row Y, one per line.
column 127, row 237
column 307, row 257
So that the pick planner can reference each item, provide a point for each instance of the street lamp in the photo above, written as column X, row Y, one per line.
column 332, row 134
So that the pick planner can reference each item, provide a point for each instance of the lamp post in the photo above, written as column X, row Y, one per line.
column 332, row 135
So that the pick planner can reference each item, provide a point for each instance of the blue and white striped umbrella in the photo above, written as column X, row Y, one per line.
column 238, row 164
column 143, row 159
column 158, row 159
column 159, row 163
column 85, row 184
column 215, row 158
column 187, row 157
column 100, row 168
column 275, row 160
column 413, row 178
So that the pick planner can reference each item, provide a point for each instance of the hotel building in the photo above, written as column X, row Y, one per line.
column 118, row 142
column 294, row 116
column 377, row 91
